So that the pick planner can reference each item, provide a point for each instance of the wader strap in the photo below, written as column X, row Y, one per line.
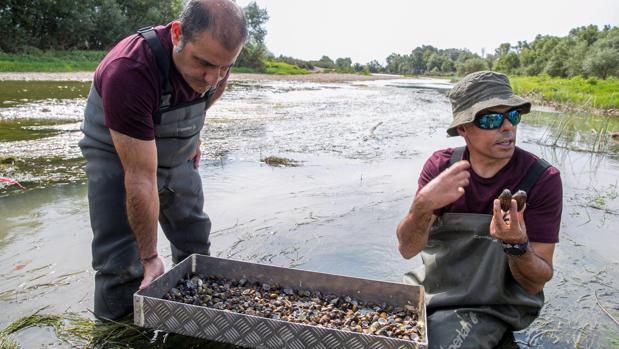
column 533, row 174
column 529, row 180
column 163, row 62
column 456, row 156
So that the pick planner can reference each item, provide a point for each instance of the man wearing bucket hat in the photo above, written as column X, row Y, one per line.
column 484, row 269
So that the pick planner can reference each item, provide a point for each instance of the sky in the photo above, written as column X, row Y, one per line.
column 365, row 30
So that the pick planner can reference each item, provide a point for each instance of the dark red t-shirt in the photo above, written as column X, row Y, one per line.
column 544, row 203
column 129, row 82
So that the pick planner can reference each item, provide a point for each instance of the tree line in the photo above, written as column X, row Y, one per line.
column 585, row 51
column 29, row 27
column 32, row 26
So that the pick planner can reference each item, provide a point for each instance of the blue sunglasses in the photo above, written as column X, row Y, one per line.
column 494, row 120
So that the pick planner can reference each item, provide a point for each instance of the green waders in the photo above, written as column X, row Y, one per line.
column 472, row 297
column 115, row 255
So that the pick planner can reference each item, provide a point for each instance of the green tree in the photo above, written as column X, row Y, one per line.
column 508, row 63
column 557, row 64
column 255, row 50
column 110, row 25
column 503, row 49
column 448, row 66
column 471, row 65
column 602, row 63
column 344, row 64
column 435, row 62
column 325, row 62
column 374, row 67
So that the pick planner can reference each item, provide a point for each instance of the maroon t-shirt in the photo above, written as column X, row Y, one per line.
column 544, row 201
column 129, row 82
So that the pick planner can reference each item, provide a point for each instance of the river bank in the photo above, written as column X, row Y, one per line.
column 316, row 77
column 576, row 95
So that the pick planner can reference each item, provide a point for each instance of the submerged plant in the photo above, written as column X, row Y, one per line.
column 83, row 332
column 579, row 133
column 280, row 162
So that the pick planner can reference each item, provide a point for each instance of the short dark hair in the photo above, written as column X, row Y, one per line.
column 227, row 23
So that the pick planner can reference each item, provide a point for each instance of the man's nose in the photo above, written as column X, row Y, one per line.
column 211, row 76
column 507, row 125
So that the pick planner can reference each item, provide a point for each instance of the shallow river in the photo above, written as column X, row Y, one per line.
column 360, row 146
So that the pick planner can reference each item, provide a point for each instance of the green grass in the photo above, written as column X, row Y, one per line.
column 51, row 61
column 70, row 61
column 589, row 93
column 243, row 70
column 282, row 68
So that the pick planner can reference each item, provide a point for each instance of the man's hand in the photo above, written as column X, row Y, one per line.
column 153, row 268
column 534, row 268
column 197, row 155
column 512, row 229
column 446, row 187
column 413, row 230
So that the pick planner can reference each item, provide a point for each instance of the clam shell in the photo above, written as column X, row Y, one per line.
column 521, row 199
column 506, row 200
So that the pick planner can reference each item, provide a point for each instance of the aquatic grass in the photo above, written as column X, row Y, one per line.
column 7, row 343
column 40, row 172
column 10, row 181
column 84, row 332
column 80, row 331
column 25, row 129
column 578, row 132
column 16, row 92
column 277, row 161
column 31, row 289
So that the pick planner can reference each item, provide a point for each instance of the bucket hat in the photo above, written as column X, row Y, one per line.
column 478, row 91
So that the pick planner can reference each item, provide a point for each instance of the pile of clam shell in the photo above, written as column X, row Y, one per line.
column 298, row 306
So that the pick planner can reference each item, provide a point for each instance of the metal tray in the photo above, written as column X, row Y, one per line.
column 151, row 311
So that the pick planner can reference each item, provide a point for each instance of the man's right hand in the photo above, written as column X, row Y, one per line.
column 446, row 188
column 412, row 232
column 153, row 268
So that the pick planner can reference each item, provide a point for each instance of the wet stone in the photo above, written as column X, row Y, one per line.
column 271, row 301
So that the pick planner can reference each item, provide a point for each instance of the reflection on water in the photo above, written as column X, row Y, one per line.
column 361, row 146
column 13, row 93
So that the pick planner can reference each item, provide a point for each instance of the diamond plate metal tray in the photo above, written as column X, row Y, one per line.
column 151, row 311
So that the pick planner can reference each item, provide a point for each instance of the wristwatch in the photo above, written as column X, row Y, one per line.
column 515, row 249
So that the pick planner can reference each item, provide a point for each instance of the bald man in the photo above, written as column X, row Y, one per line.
column 141, row 141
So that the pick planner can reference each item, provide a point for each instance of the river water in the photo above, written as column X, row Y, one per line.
column 360, row 146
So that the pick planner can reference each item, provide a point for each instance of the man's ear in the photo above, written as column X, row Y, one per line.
column 176, row 32
column 461, row 131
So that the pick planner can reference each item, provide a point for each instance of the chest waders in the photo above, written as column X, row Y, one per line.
column 472, row 297
column 115, row 255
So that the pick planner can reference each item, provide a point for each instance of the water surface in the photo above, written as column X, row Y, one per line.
column 361, row 146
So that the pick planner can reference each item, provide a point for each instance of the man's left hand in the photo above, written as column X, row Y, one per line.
column 197, row 155
column 511, row 230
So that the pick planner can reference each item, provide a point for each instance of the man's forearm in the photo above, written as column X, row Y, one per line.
column 530, row 271
column 143, row 211
column 413, row 230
